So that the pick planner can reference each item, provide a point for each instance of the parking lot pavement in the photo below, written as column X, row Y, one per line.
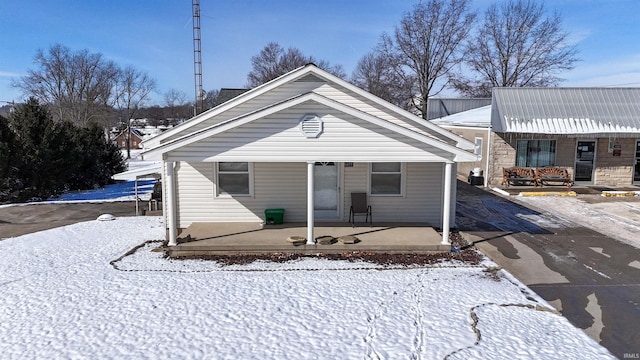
column 23, row 219
column 564, row 249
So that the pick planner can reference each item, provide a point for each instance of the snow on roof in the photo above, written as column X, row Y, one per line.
column 566, row 110
column 142, row 172
column 479, row 117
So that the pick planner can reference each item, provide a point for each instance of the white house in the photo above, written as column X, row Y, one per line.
column 304, row 142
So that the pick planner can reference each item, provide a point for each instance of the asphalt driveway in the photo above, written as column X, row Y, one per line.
column 28, row 218
column 593, row 279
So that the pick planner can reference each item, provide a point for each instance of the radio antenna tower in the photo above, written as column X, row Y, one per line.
column 197, row 59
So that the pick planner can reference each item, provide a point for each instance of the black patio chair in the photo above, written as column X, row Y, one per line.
column 359, row 206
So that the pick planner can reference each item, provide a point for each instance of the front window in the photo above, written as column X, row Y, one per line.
column 386, row 179
column 535, row 153
column 234, row 178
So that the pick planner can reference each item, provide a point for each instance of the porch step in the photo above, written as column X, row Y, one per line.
column 337, row 248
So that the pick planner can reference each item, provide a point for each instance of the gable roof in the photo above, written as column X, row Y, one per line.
column 134, row 132
column 459, row 154
column 566, row 110
column 234, row 113
column 309, row 72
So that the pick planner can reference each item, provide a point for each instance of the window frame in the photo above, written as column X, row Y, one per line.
column 528, row 141
column 402, row 173
column 249, row 172
column 478, row 142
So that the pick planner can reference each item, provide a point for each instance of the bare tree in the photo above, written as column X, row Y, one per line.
column 426, row 46
column 516, row 46
column 174, row 97
column 273, row 61
column 132, row 89
column 210, row 99
column 177, row 105
column 377, row 74
column 76, row 85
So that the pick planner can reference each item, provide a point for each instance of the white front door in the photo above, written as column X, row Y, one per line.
column 326, row 194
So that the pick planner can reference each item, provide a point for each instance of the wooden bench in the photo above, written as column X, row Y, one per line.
column 552, row 174
column 518, row 175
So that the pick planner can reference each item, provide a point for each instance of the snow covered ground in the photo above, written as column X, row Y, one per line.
column 73, row 292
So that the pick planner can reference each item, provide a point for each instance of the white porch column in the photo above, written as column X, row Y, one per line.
column 171, row 206
column 310, row 205
column 446, row 204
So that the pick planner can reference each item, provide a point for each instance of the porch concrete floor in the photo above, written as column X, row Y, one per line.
column 252, row 238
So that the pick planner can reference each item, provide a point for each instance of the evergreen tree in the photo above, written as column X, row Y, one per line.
column 35, row 132
column 58, row 156
column 97, row 158
column 9, row 162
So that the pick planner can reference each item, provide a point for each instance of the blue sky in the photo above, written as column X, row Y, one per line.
column 156, row 36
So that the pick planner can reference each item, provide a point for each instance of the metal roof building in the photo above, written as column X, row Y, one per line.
column 567, row 111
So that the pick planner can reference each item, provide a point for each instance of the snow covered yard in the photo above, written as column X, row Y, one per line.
column 70, row 293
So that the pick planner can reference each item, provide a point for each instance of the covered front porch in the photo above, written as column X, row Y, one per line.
column 207, row 238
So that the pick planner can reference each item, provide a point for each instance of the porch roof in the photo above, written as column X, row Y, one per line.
column 154, row 170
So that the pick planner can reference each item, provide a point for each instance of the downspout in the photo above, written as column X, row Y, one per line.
column 446, row 206
column 486, row 169
column 171, row 208
column 310, row 205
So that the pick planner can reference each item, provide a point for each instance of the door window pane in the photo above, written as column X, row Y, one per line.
column 325, row 185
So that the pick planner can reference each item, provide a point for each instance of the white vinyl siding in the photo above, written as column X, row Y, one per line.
column 276, row 185
column 277, row 137
column 421, row 202
column 352, row 99
column 292, row 89
column 276, row 95
column 283, row 185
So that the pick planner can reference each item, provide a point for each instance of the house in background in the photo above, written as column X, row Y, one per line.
column 303, row 143
column 473, row 125
column 594, row 133
column 135, row 141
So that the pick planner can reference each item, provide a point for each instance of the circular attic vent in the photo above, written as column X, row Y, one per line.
column 311, row 125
